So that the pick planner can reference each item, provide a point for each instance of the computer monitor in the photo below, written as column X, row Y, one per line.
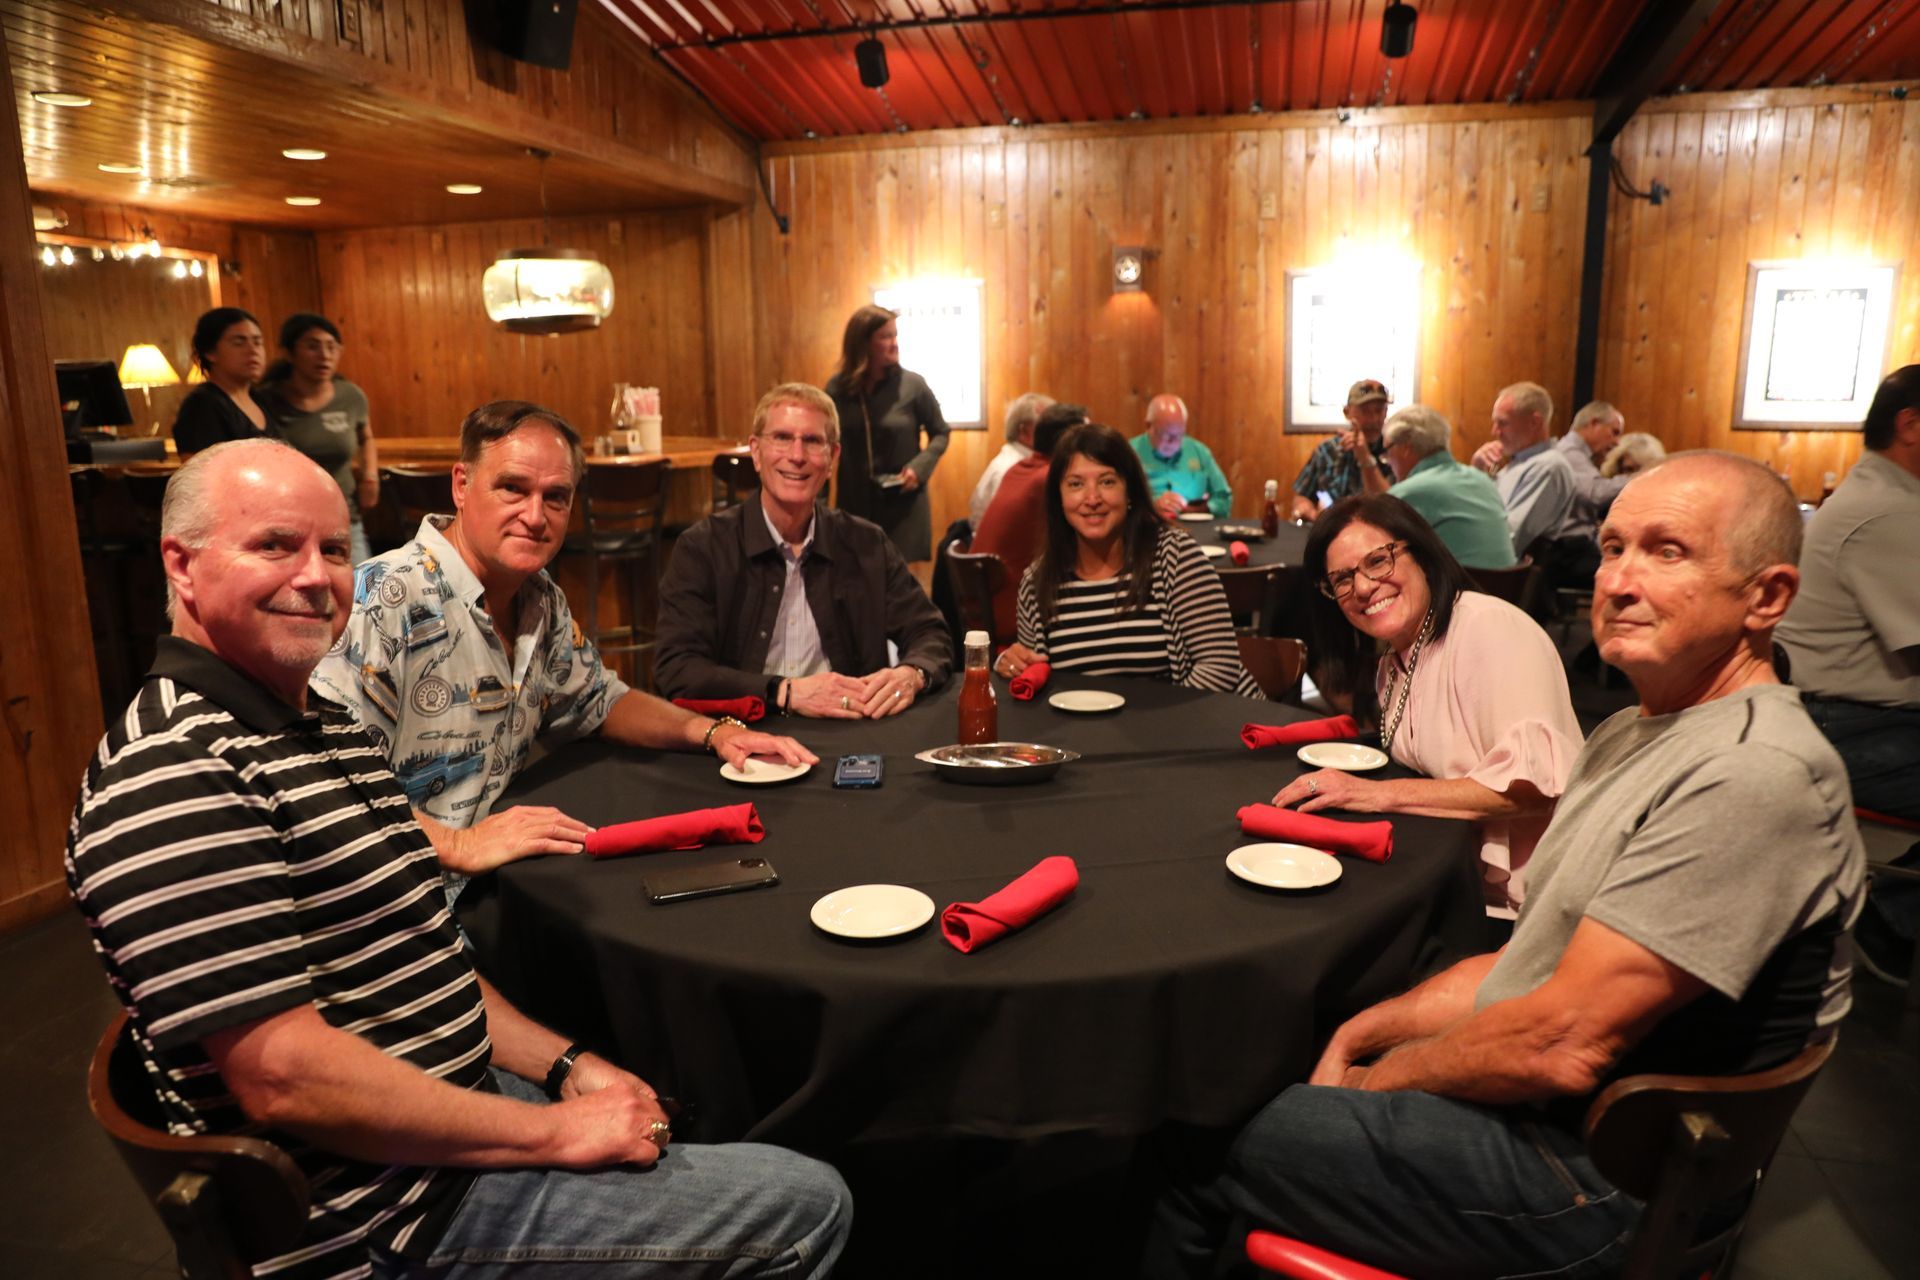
column 90, row 395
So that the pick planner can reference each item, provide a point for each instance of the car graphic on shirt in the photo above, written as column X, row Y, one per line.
column 423, row 627
column 425, row 774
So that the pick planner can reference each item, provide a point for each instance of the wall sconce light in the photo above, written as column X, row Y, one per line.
column 871, row 57
column 1129, row 268
column 1396, row 30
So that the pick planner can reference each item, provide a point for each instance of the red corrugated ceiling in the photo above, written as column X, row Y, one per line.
column 1066, row 64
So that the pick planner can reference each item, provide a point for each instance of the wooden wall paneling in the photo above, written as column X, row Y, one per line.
column 49, row 705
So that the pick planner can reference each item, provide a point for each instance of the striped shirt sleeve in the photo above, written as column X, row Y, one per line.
column 1200, row 639
column 182, row 874
column 1030, row 628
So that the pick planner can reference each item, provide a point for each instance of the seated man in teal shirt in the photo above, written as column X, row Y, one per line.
column 1181, row 472
column 1461, row 504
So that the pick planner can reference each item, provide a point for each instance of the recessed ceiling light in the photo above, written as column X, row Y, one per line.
column 304, row 153
column 55, row 98
column 463, row 188
column 303, row 201
column 118, row 168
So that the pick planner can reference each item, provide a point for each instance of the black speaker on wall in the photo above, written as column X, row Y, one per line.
column 536, row 31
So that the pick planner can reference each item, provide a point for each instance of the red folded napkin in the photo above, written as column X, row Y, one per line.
column 1030, row 681
column 1370, row 840
column 1257, row 736
column 748, row 709
column 966, row 925
column 731, row 824
column 1238, row 553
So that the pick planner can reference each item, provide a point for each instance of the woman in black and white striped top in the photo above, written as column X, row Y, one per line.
column 1116, row 590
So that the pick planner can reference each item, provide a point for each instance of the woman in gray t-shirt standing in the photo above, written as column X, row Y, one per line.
column 323, row 416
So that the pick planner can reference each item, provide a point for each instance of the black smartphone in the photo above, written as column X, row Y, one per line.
column 858, row 771
column 709, row 878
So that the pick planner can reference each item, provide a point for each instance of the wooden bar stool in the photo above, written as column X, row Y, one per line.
column 622, row 508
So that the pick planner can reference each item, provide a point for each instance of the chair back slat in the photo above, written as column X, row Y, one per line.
column 624, row 500
column 733, row 478
column 976, row 579
column 1251, row 594
column 226, row 1200
column 1514, row 585
column 1276, row 664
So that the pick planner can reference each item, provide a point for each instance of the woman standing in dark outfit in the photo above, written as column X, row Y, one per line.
column 230, row 351
column 883, row 409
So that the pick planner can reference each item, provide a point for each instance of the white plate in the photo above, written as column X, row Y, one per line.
column 1196, row 517
column 763, row 773
column 872, row 911
column 1213, row 553
column 1086, row 701
column 1351, row 756
column 1283, row 866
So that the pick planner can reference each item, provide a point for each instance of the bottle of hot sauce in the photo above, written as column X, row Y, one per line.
column 1270, row 514
column 979, row 709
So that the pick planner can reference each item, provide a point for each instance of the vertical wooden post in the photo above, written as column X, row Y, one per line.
column 49, row 699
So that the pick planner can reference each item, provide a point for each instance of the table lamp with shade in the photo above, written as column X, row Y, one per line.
column 145, row 366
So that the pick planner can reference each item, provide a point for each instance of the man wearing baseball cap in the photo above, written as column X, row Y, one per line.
column 1353, row 461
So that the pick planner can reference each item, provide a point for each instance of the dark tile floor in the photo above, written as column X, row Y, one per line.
column 1839, row 1204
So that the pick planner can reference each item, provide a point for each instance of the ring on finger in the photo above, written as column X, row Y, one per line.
column 658, row 1132
column 844, row 704
column 1313, row 786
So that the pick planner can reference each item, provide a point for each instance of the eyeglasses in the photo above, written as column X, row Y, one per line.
column 1377, row 564
column 784, row 441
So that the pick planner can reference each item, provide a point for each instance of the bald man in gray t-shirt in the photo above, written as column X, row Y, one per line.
column 1687, row 913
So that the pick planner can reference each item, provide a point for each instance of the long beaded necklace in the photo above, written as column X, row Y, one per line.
column 1403, row 684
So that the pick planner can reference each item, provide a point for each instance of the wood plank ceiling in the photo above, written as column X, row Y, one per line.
column 784, row 69
column 205, row 126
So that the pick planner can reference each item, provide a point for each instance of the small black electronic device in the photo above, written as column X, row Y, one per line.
column 859, row 771
column 709, row 878
column 889, row 482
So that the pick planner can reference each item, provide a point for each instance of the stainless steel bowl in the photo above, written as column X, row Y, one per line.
column 997, row 764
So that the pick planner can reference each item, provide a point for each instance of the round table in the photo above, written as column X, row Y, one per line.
column 1162, row 990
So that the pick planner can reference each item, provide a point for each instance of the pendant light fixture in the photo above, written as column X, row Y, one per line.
column 547, row 290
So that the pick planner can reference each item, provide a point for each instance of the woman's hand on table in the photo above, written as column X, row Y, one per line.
column 1332, row 789
column 1015, row 659
column 828, row 695
column 524, row 831
column 735, row 745
column 889, row 691
column 909, row 480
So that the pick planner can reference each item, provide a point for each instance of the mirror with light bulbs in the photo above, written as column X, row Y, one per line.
column 105, row 299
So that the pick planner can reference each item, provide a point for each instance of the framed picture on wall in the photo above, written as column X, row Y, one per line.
column 943, row 338
column 1814, row 345
column 1345, row 324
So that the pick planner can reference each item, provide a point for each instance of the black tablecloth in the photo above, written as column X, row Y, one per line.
column 1286, row 547
column 1164, row 990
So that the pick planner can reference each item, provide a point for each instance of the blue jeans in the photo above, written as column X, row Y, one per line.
column 1409, row 1182
column 741, row 1209
column 1881, row 748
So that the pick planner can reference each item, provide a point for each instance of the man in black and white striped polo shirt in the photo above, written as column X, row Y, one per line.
column 271, row 915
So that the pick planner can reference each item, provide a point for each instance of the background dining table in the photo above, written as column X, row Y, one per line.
column 1164, row 990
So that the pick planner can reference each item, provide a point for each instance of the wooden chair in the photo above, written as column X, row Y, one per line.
column 622, row 507
column 226, row 1201
column 416, row 493
column 1887, row 838
column 1514, row 585
column 1276, row 664
column 976, row 580
column 1250, row 596
column 1682, row 1144
column 733, row 478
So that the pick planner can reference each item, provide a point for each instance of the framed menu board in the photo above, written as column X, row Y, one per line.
column 943, row 338
column 1345, row 324
column 1814, row 345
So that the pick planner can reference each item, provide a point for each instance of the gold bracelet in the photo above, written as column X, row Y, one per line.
column 706, row 743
